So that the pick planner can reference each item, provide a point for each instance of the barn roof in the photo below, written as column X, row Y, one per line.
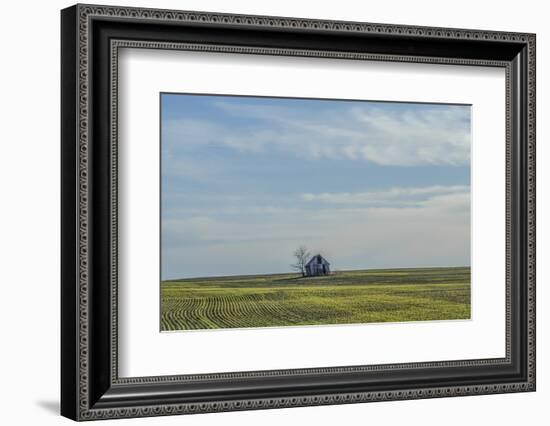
column 318, row 259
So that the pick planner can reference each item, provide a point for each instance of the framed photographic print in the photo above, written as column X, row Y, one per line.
column 263, row 212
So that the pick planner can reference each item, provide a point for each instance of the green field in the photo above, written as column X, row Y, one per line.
column 383, row 295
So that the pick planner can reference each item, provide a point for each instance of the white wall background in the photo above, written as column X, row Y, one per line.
column 29, row 225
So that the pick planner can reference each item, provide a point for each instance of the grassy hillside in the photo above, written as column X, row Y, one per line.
column 384, row 295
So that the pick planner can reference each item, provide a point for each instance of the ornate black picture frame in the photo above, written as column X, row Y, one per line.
column 91, row 387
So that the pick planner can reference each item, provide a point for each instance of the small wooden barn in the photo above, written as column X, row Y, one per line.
column 318, row 265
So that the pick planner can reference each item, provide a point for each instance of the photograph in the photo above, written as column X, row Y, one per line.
column 279, row 212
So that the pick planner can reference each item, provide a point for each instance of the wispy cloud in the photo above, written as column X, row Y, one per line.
column 432, row 135
column 392, row 196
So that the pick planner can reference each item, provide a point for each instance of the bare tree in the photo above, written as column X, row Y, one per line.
column 302, row 255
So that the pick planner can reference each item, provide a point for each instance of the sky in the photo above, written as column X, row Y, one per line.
column 247, row 180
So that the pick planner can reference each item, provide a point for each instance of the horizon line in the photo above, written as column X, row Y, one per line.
column 298, row 273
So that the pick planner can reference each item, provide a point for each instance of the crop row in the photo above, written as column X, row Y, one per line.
column 190, row 309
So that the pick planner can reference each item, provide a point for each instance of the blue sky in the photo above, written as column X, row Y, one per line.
column 246, row 180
